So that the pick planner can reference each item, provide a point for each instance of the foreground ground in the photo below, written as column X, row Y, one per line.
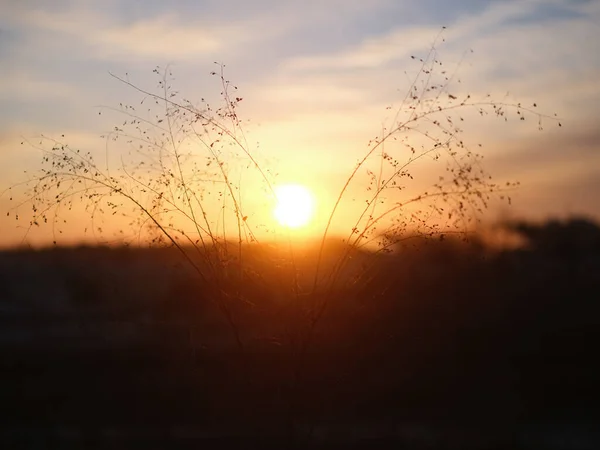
column 448, row 345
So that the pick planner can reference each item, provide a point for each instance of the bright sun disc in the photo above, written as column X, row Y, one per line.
column 294, row 205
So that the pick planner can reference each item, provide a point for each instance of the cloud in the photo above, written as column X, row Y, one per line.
column 157, row 33
column 26, row 86
column 553, row 63
column 504, row 49
column 397, row 43
column 164, row 32
column 371, row 53
column 158, row 37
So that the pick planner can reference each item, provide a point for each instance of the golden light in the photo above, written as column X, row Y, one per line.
column 295, row 205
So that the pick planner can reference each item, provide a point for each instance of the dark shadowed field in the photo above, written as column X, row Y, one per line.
column 445, row 344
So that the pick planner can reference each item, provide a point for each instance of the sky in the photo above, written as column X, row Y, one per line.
column 316, row 78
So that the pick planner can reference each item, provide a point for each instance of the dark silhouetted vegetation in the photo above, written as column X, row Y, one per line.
column 447, row 344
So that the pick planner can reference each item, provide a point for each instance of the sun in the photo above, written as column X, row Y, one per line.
column 294, row 206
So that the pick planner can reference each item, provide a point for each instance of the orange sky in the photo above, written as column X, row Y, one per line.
column 316, row 82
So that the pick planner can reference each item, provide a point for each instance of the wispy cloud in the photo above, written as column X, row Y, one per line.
column 157, row 37
column 376, row 51
column 23, row 86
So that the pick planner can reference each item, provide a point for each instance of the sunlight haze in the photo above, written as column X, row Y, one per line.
column 295, row 205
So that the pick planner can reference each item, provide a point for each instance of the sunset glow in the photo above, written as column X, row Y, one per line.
column 311, row 91
column 295, row 205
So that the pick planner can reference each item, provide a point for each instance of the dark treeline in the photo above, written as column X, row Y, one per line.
column 442, row 332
